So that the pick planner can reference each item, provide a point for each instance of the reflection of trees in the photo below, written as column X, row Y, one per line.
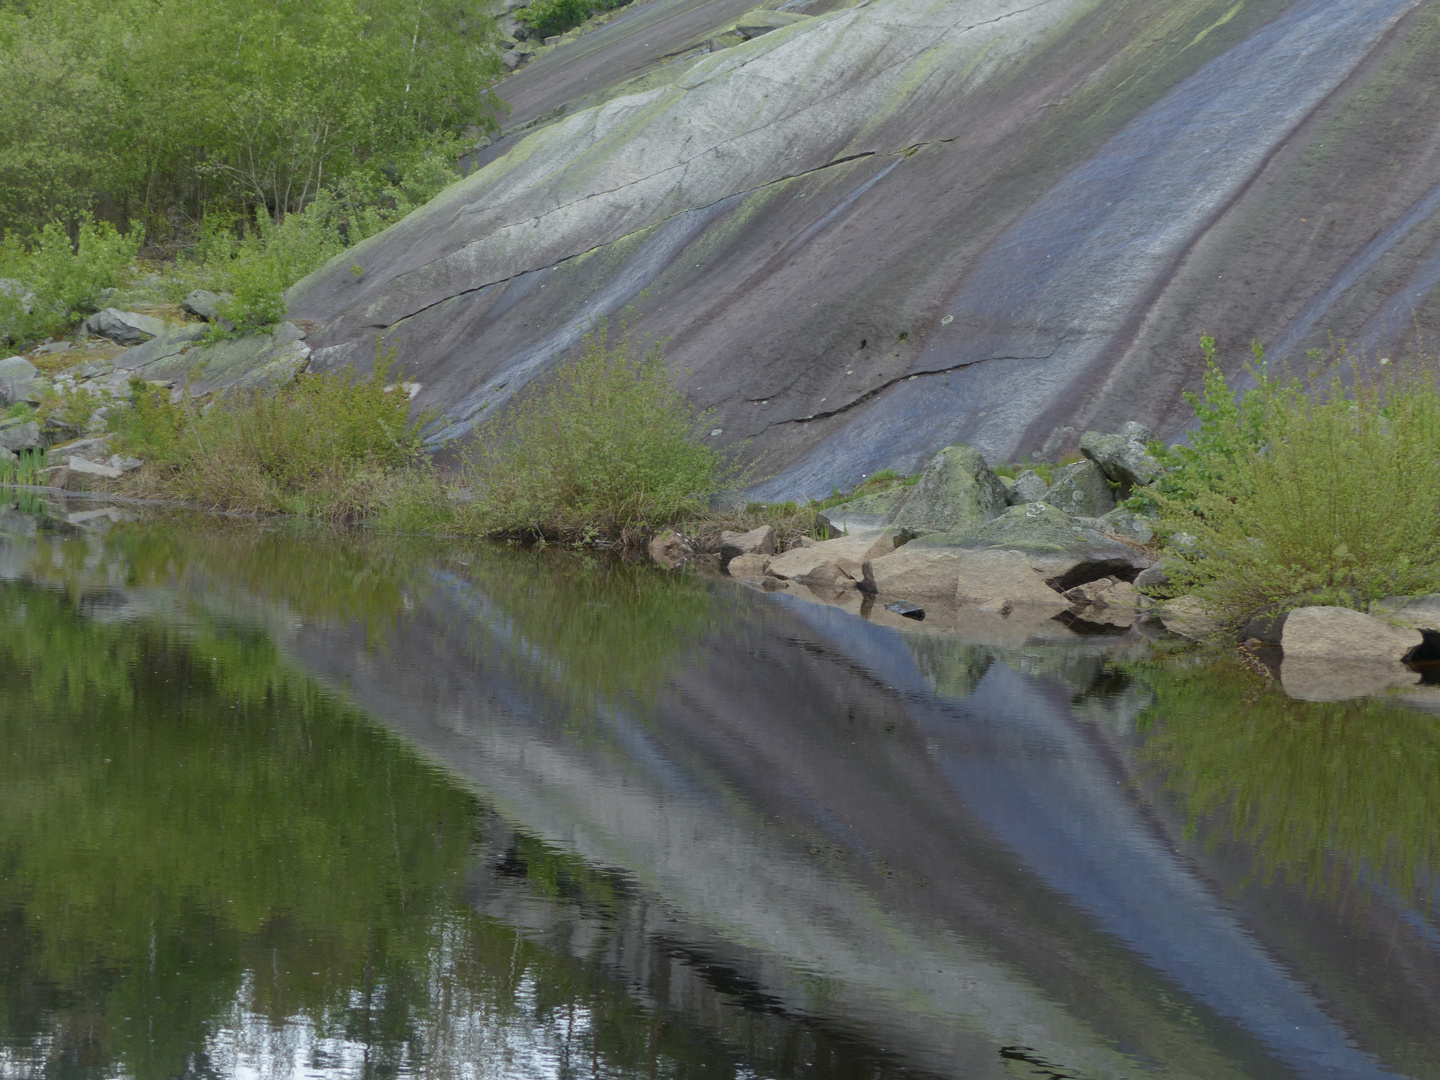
column 1320, row 791
column 189, row 833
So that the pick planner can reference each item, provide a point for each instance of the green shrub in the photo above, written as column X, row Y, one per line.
column 22, row 468
column 547, row 17
column 60, row 282
column 325, row 446
column 1333, row 493
column 605, row 449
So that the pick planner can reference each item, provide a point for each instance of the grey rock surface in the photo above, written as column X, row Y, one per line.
column 19, row 437
column 124, row 327
column 1081, row 490
column 16, row 377
column 1154, row 580
column 1342, row 634
column 759, row 541
column 205, row 304
column 1028, row 488
column 853, row 272
column 1124, row 460
column 760, row 21
column 957, row 490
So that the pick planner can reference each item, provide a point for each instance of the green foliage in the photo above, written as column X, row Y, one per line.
column 1286, row 491
column 1326, row 794
column 548, row 17
column 60, row 281
column 22, row 468
column 605, row 449
column 320, row 447
column 163, row 108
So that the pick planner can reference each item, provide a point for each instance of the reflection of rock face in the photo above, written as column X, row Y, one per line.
column 900, row 225
column 890, row 803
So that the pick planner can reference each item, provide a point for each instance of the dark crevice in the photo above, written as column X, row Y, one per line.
column 902, row 378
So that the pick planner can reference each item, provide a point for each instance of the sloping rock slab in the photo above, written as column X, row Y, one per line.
column 1064, row 552
column 836, row 563
column 255, row 362
column 1344, row 635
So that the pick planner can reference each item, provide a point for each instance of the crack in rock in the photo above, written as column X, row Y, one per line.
column 899, row 379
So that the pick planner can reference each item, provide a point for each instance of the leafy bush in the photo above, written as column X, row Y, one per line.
column 324, row 446
column 57, row 282
column 1333, row 493
column 547, row 17
column 607, row 448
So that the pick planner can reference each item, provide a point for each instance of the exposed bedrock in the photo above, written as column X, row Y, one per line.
column 903, row 224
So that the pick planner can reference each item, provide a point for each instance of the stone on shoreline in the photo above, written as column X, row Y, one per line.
column 1342, row 634
column 1081, row 490
column 836, row 563
column 759, row 541
column 669, row 549
column 1189, row 618
column 124, row 327
column 1124, row 457
column 1004, row 579
column 957, row 490
column 748, row 567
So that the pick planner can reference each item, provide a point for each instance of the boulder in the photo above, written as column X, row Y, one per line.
column 760, row 21
column 1125, row 460
column 17, row 378
column 1005, row 578
column 1136, row 432
column 1064, row 552
column 748, row 567
column 96, row 449
column 15, row 290
column 1154, row 581
column 1342, row 634
column 1081, row 490
column 1028, row 488
column 124, row 327
column 1107, row 602
column 836, row 563
column 669, row 549
column 21, row 436
column 915, row 572
column 1127, row 523
column 956, row 491
column 1415, row 612
column 1188, row 617
column 759, row 541
column 204, row 304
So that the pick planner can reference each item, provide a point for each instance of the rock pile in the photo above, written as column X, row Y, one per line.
column 963, row 537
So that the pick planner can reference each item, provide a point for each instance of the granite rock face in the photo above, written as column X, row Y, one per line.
column 956, row 491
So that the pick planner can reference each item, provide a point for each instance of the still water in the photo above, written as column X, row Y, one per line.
column 284, row 804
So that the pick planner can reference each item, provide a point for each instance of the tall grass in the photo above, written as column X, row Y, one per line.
column 607, row 448
column 332, row 446
column 1330, row 492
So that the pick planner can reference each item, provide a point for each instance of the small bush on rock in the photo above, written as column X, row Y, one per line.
column 605, row 449
column 325, row 446
column 51, row 282
column 1285, row 491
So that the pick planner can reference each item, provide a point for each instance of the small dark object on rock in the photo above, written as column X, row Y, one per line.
column 907, row 609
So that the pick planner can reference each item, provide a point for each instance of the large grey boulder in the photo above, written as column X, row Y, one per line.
column 260, row 362
column 1338, row 633
column 1124, row 458
column 759, row 541
column 23, row 436
column 1063, row 551
column 956, row 491
column 1415, row 612
column 837, row 563
column 1028, row 488
column 1081, row 490
column 205, row 304
column 124, row 327
column 17, row 379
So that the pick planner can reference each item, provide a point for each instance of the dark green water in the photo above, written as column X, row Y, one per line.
column 294, row 804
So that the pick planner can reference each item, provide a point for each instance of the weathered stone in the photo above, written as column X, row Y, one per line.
column 18, row 437
column 759, row 541
column 205, row 304
column 124, row 464
column 1415, row 612
column 166, row 347
column 1154, row 581
column 1125, row 461
column 1081, row 490
column 1127, row 523
column 834, row 562
column 1188, row 617
column 1136, row 431
column 95, row 449
column 913, row 571
column 1064, row 552
column 1107, row 602
column 80, row 466
column 1028, row 488
column 760, row 21
column 669, row 549
column 906, row 609
column 13, row 289
column 990, row 575
column 957, row 490
column 261, row 362
column 124, row 327
column 1343, row 634
column 16, row 378
column 748, row 567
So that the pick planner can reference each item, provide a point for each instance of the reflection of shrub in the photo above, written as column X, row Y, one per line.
column 324, row 446
column 1322, row 792
column 1335, row 493
column 607, row 448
